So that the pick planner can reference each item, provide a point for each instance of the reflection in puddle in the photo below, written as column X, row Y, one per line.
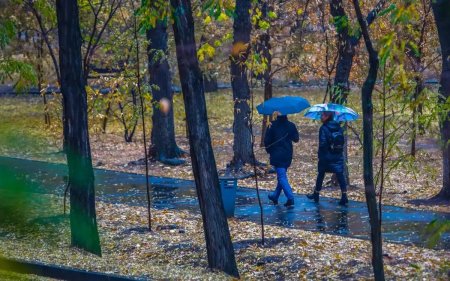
column 400, row 225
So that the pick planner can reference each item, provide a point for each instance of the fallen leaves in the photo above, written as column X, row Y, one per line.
column 168, row 253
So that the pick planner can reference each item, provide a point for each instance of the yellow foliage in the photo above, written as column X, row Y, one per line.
column 222, row 17
column 207, row 20
column 206, row 50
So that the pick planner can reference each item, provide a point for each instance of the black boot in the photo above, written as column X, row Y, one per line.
column 274, row 201
column 344, row 199
column 289, row 202
column 314, row 196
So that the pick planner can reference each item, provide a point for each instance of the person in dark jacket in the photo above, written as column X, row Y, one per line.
column 278, row 143
column 330, row 160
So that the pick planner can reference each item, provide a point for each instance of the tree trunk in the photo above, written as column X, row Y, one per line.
column 163, row 145
column 210, row 83
column 83, row 222
column 341, row 87
column 441, row 11
column 419, row 68
column 367, row 107
column 217, row 235
column 242, row 145
column 105, row 119
column 346, row 51
column 264, row 49
column 266, row 119
column 417, row 92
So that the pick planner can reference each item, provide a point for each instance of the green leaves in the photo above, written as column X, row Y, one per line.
column 151, row 11
column 340, row 22
column 219, row 10
column 22, row 73
column 46, row 10
column 264, row 25
column 260, row 20
column 434, row 231
column 272, row 15
column 256, row 63
column 7, row 31
column 387, row 10
column 343, row 24
column 414, row 48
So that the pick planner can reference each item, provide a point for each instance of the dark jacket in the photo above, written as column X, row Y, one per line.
column 329, row 161
column 278, row 142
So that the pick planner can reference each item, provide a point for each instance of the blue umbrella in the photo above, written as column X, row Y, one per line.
column 341, row 113
column 285, row 105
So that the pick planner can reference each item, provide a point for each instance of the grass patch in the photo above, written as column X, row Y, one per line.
column 11, row 276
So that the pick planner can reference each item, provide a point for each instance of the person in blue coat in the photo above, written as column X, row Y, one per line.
column 331, row 156
column 278, row 143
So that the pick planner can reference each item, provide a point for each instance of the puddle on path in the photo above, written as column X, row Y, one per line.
column 400, row 225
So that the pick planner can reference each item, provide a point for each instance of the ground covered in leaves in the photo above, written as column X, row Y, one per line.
column 176, row 249
column 25, row 135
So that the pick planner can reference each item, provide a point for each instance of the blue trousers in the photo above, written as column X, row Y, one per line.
column 282, row 184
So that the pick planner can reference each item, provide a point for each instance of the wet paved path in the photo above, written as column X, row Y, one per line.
column 400, row 225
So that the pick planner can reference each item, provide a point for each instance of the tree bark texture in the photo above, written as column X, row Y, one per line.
column 242, row 145
column 83, row 223
column 163, row 144
column 367, row 107
column 347, row 49
column 218, row 240
column 346, row 52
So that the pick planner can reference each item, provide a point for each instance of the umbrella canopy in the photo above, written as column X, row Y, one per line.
column 341, row 113
column 284, row 105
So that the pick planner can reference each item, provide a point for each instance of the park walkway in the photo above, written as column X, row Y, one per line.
column 400, row 225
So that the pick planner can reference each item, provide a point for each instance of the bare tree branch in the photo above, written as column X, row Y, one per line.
column 44, row 34
column 90, row 51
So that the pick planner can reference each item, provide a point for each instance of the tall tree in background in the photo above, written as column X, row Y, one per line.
column 102, row 13
column 217, row 235
column 415, row 51
column 242, row 27
column 347, row 44
column 268, row 24
column 367, row 107
column 163, row 144
column 264, row 48
column 441, row 11
column 83, row 222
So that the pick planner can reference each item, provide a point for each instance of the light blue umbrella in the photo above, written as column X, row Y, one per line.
column 285, row 105
column 341, row 113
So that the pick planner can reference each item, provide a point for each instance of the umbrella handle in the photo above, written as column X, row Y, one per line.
column 266, row 147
